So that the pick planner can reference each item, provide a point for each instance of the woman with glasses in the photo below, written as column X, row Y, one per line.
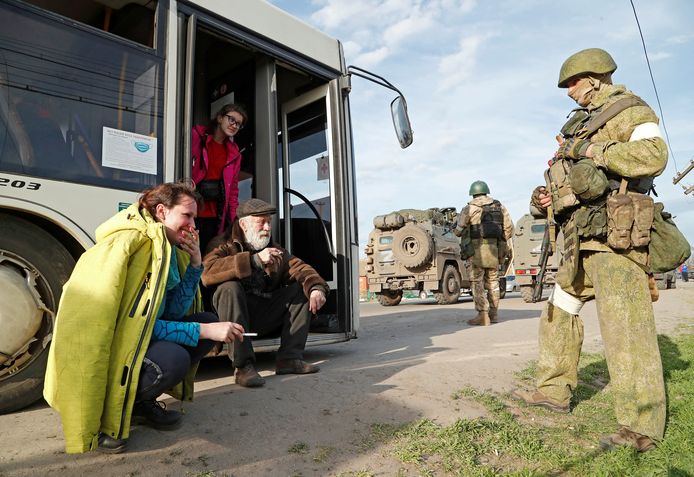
column 216, row 166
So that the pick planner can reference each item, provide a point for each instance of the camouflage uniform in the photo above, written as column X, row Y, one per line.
column 483, row 266
column 628, row 146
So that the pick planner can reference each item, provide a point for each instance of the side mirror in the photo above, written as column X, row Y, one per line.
column 398, row 107
column 401, row 121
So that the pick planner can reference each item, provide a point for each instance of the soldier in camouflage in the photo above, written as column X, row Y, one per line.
column 489, row 227
column 629, row 152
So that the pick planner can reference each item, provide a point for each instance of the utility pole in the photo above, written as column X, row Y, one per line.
column 678, row 177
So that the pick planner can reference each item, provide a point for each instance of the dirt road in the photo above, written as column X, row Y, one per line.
column 405, row 365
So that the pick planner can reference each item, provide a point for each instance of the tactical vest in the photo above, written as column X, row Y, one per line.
column 592, row 204
column 491, row 223
column 579, row 189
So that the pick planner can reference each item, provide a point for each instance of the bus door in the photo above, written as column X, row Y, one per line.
column 309, row 211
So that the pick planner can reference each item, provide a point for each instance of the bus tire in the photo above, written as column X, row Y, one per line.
column 412, row 246
column 450, row 287
column 389, row 298
column 527, row 293
column 53, row 262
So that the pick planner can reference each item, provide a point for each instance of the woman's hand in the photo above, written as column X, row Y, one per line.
column 191, row 244
column 224, row 331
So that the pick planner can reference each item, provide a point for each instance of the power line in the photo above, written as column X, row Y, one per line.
column 650, row 71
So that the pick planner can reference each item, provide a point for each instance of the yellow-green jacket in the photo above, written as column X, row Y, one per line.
column 103, row 327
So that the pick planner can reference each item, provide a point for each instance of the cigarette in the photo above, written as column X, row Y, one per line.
column 250, row 334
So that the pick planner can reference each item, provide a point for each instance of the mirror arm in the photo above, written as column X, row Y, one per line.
column 374, row 78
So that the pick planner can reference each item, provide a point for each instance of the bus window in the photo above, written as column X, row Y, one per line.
column 80, row 100
column 133, row 21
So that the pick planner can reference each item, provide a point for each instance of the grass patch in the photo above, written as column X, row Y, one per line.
column 298, row 448
column 521, row 441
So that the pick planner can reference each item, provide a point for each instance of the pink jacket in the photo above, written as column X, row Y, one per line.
column 230, row 173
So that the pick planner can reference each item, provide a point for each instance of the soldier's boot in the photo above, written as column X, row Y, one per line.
column 626, row 437
column 482, row 319
column 494, row 315
column 537, row 398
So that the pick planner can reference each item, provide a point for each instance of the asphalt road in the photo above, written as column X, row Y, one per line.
column 405, row 365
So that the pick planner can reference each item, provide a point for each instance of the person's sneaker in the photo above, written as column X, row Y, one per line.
column 482, row 319
column 536, row 398
column 295, row 366
column 626, row 437
column 154, row 414
column 248, row 376
column 109, row 445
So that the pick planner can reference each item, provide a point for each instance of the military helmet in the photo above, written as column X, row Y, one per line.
column 479, row 187
column 592, row 60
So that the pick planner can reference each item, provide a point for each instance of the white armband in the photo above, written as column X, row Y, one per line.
column 645, row 131
column 566, row 302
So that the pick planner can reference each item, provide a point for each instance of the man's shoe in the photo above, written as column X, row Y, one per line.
column 248, row 377
column 154, row 414
column 109, row 445
column 482, row 319
column 295, row 366
column 536, row 398
column 493, row 315
column 625, row 437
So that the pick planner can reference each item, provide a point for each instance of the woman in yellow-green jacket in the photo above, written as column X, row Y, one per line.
column 130, row 323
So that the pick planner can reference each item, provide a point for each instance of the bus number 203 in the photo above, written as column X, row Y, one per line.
column 19, row 184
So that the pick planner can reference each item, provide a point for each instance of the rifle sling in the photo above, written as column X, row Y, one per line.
column 610, row 112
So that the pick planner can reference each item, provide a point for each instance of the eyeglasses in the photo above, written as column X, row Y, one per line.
column 233, row 122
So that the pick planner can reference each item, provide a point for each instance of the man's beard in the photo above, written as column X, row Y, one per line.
column 255, row 240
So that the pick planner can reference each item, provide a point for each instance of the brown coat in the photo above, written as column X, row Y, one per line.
column 233, row 261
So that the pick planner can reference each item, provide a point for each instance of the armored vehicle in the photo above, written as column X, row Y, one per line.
column 527, row 245
column 416, row 250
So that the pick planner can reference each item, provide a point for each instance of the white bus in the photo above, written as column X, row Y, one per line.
column 83, row 81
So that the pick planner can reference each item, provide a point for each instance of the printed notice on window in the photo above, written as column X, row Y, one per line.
column 129, row 151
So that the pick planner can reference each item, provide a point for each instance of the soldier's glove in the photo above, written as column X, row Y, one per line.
column 573, row 148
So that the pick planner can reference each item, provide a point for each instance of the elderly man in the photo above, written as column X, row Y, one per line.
column 262, row 287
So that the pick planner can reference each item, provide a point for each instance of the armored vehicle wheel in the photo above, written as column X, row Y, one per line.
column 389, row 298
column 33, row 268
column 502, row 287
column 527, row 293
column 450, row 287
column 412, row 246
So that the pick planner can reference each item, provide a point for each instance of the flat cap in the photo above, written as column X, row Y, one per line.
column 254, row 207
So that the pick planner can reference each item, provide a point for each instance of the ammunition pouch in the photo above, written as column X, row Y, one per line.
column 557, row 178
column 591, row 221
column 629, row 219
column 587, row 181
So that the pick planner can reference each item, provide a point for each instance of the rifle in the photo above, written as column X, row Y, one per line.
column 546, row 251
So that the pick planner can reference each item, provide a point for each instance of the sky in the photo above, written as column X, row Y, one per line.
column 480, row 80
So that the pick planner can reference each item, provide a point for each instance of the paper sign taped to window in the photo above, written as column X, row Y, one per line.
column 129, row 151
